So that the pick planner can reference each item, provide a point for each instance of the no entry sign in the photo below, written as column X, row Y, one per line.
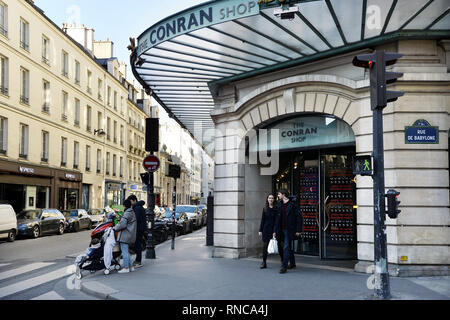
column 151, row 163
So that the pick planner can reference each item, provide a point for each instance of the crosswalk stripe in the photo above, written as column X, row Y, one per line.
column 33, row 282
column 24, row 269
column 52, row 295
column 4, row 264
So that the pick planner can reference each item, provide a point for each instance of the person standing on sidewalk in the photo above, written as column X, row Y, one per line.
column 139, row 211
column 126, row 235
column 289, row 222
column 267, row 228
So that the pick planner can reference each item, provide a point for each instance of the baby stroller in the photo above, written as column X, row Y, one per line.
column 92, row 259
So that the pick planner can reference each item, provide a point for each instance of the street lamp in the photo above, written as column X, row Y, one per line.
column 100, row 132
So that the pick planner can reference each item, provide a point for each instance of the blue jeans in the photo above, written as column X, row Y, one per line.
column 125, row 255
column 288, row 254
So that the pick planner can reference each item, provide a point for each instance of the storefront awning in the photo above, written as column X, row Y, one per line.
column 185, row 56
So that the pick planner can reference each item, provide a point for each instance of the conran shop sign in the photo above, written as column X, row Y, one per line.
column 199, row 17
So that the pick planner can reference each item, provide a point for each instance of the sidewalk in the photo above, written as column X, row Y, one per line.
column 188, row 273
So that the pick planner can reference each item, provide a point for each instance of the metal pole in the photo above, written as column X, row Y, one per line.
column 382, row 289
column 150, row 253
column 174, row 202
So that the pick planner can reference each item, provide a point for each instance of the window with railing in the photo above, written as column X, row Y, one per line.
column 3, row 19
column 107, row 163
column 99, row 160
column 88, row 118
column 4, row 75
column 45, row 50
column 65, row 64
column 24, row 35
column 77, row 112
column 76, row 154
column 63, row 152
column 65, row 101
column 100, row 89
column 45, row 146
column 89, row 82
column 77, row 73
column 3, row 135
column 88, row 158
column 23, row 142
column 25, row 86
column 46, row 93
column 114, row 171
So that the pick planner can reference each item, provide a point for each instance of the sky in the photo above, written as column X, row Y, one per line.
column 117, row 20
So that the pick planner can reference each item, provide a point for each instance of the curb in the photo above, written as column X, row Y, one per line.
column 96, row 289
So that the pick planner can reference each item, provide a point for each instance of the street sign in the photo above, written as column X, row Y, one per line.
column 362, row 165
column 421, row 132
column 151, row 163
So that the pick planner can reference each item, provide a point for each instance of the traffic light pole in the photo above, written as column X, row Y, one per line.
column 150, row 253
column 174, row 202
column 379, row 98
column 382, row 289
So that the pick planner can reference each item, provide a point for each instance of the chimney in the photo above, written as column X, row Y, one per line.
column 104, row 49
column 83, row 35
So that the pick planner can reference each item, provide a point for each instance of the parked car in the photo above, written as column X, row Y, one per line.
column 77, row 219
column 97, row 216
column 8, row 222
column 37, row 222
column 193, row 214
column 161, row 231
column 203, row 210
column 183, row 224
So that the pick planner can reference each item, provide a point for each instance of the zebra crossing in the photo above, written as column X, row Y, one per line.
column 32, row 280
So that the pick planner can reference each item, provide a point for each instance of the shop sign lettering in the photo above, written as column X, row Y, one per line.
column 26, row 170
column 421, row 132
column 307, row 132
column 70, row 176
column 197, row 18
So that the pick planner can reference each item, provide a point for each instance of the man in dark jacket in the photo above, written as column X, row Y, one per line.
column 139, row 211
column 289, row 223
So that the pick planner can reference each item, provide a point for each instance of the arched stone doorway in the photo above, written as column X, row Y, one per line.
column 240, row 189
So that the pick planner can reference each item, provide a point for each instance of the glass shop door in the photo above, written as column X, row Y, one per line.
column 338, row 207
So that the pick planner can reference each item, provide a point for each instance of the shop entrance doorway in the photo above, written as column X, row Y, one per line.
column 322, row 183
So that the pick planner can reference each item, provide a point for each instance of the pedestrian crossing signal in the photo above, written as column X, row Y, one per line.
column 362, row 165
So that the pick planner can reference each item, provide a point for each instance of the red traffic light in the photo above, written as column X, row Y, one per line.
column 365, row 61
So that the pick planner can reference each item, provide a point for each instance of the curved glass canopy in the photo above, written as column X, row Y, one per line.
column 181, row 57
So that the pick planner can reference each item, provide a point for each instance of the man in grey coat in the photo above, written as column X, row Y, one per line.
column 126, row 235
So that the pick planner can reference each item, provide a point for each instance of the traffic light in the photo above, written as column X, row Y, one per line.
column 379, row 78
column 145, row 177
column 152, row 134
column 393, row 203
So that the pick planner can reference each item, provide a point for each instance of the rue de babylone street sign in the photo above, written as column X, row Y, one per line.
column 421, row 132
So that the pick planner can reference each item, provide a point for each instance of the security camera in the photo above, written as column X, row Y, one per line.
column 286, row 13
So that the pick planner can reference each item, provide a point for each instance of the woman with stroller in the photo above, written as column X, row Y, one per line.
column 126, row 236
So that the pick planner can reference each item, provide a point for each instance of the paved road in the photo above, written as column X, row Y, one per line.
column 41, row 268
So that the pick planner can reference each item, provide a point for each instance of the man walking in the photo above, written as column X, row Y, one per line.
column 138, row 207
column 289, row 223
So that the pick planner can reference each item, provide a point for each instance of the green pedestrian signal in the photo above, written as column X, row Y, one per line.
column 362, row 165
column 367, row 166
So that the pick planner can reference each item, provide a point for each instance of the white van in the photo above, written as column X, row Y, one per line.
column 8, row 222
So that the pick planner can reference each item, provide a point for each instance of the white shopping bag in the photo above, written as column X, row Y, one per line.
column 273, row 246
